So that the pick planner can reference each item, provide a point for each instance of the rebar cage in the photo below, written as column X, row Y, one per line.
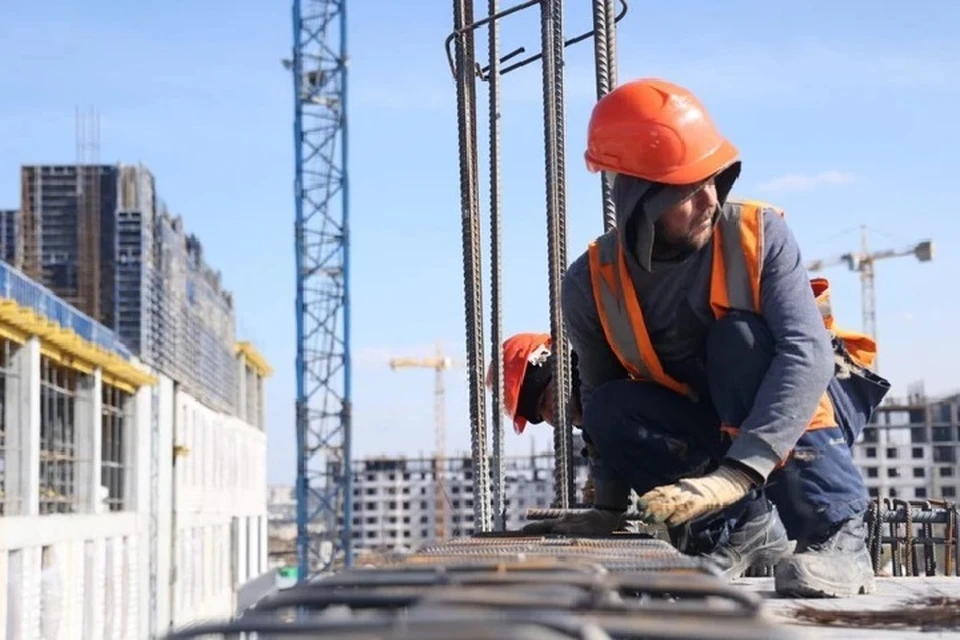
column 462, row 56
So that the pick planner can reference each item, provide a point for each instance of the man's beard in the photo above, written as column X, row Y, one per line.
column 679, row 249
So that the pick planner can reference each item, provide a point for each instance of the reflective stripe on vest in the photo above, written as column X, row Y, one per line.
column 737, row 259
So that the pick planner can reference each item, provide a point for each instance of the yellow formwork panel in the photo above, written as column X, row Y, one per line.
column 65, row 347
column 256, row 361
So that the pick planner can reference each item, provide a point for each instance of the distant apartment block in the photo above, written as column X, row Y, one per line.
column 395, row 506
column 910, row 450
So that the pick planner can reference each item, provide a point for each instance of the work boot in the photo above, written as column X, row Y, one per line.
column 837, row 565
column 758, row 541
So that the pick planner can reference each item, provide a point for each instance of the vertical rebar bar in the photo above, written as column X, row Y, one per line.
column 611, row 43
column 472, row 267
column 551, row 38
column 496, row 319
column 563, row 348
column 604, row 46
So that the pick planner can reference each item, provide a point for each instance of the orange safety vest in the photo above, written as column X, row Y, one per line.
column 734, row 285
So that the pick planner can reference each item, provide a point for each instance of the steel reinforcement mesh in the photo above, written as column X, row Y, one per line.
column 621, row 552
column 538, row 598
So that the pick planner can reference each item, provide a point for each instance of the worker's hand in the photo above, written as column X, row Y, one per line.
column 690, row 498
column 589, row 490
column 593, row 522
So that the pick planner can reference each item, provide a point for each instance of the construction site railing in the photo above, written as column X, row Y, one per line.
column 15, row 286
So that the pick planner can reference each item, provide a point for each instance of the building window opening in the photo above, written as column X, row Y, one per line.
column 113, row 445
column 58, row 438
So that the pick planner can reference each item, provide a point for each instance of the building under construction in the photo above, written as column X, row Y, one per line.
column 99, row 237
column 9, row 237
column 910, row 449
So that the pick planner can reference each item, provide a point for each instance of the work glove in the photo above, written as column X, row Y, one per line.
column 589, row 490
column 690, row 498
column 593, row 522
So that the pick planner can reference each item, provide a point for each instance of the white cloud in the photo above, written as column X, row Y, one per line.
column 797, row 182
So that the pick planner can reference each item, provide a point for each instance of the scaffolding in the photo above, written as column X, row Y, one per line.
column 171, row 308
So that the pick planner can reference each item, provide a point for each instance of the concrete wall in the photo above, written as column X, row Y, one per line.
column 220, row 509
column 85, row 572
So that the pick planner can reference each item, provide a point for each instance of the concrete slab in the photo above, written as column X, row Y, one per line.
column 892, row 593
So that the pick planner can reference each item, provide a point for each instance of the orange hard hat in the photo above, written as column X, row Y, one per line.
column 519, row 351
column 657, row 131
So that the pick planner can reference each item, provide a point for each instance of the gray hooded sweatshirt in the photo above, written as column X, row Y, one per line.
column 674, row 298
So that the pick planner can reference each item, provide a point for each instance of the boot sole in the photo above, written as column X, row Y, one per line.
column 797, row 585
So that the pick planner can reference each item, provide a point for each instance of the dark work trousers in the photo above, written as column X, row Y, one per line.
column 648, row 435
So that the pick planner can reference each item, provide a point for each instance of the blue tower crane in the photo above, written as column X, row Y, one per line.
column 324, row 477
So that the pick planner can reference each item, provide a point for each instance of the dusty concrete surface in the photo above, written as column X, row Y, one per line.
column 892, row 593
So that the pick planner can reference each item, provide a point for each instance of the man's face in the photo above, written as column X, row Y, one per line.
column 688, row 225
column 545, row 405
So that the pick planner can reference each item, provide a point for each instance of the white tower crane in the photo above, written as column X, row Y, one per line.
column 862, row 262
column 439, row 364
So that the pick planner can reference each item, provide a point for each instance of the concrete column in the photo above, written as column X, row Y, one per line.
column 259, row 417
column 264, row 542
column 140, row 434
column 138, row 424
column 4, row 590
column 88, row 416
column 242, row 387
column 253, row 546
column 22, row 416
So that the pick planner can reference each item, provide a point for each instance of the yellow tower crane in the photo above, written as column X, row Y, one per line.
column 439, row 364
column 862, row 262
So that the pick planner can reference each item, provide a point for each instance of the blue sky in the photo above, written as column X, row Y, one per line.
column 845, row 114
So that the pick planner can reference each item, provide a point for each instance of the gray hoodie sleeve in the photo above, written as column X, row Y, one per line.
column 802, row 364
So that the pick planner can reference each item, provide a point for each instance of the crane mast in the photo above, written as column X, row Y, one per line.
column 439, row 364
column 322, row 243
column 863, row 263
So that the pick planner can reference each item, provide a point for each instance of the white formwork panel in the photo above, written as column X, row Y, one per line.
column 95, row 556
column 23, row 594
column 130, row 584
column 70, row 556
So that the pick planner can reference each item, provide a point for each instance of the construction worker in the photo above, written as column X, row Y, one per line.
column 528, row 388
column 713, row 381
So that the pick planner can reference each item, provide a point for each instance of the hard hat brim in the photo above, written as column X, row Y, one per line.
column 702, row 169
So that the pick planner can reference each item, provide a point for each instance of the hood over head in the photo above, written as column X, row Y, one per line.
column 639, row 204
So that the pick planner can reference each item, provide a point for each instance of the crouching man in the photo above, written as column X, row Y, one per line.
column 712, row 379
